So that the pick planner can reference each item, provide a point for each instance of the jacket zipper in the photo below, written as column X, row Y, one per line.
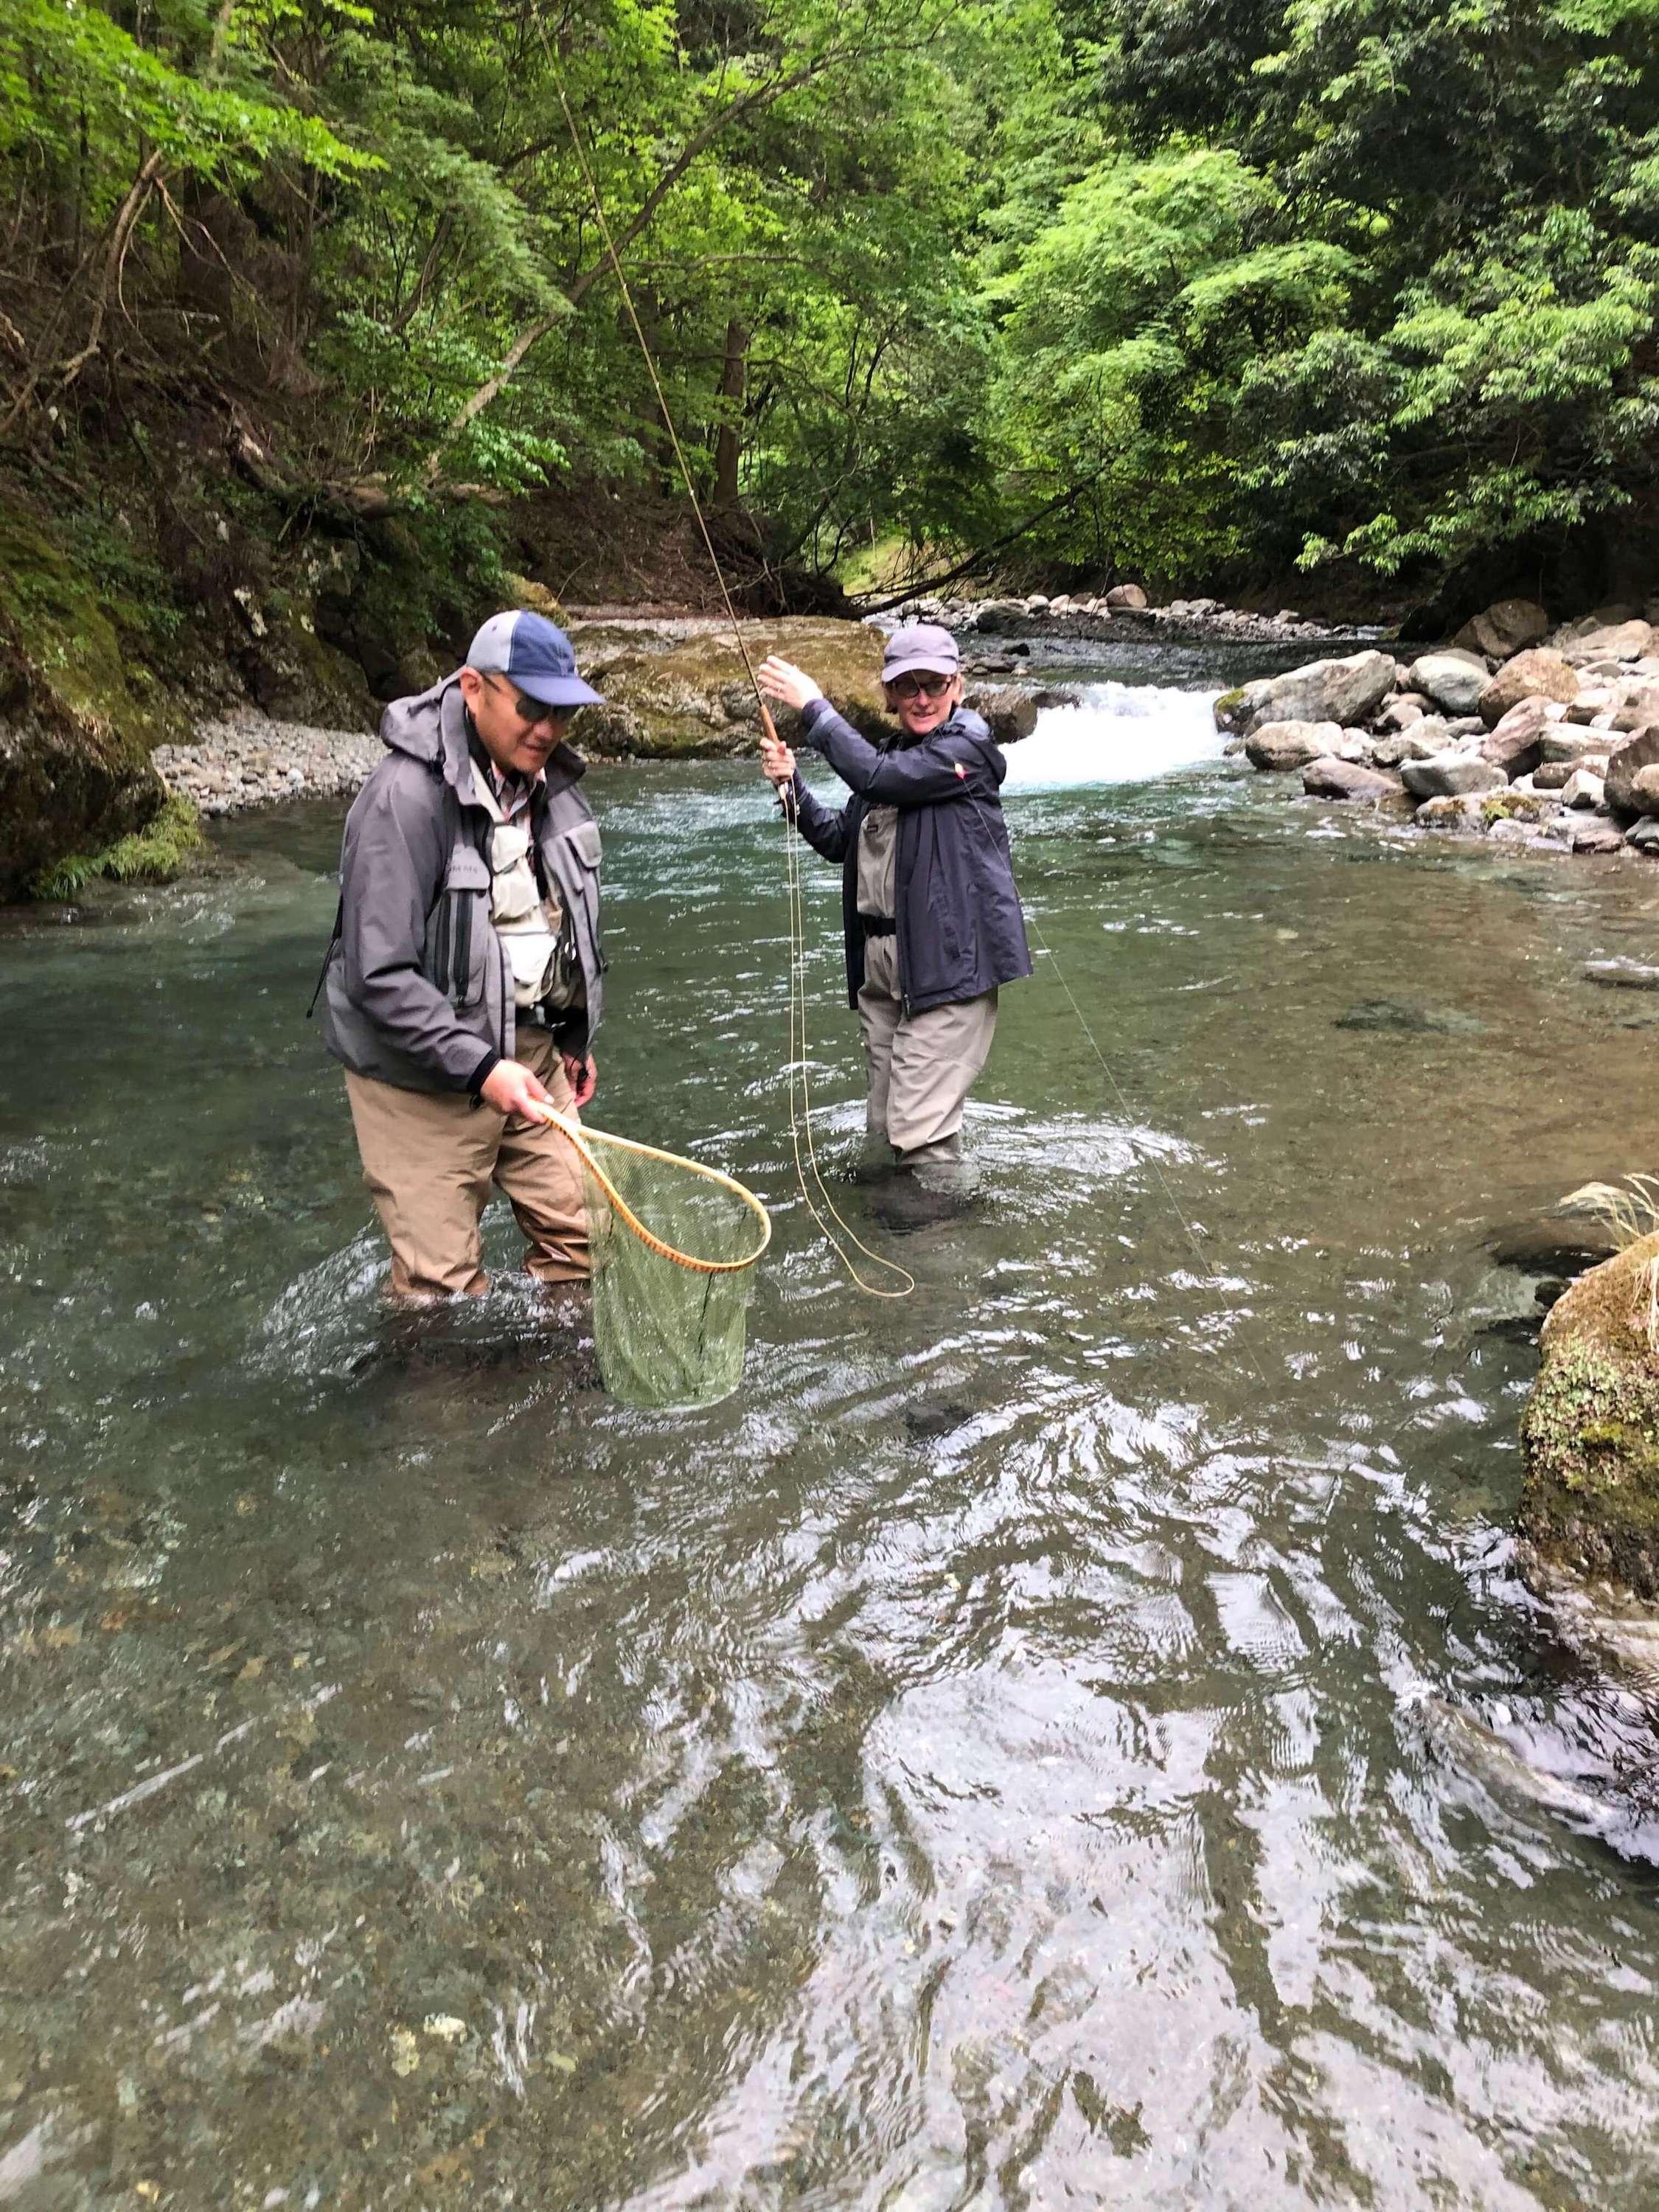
column 440, row 957
column 464, row 948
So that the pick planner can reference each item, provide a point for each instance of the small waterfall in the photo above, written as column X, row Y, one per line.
column 1117, row 733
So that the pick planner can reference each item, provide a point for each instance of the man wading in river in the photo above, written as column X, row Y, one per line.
column 932, row 916
column 463, row 985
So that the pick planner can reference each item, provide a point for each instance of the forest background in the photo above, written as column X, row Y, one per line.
column 305, row 324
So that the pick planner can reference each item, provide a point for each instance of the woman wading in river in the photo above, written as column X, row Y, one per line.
column 932, row 918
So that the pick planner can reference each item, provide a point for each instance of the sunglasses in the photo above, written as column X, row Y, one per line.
column 532, row 711
column 920, row 687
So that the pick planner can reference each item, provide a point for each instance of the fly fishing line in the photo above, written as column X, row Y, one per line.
column 821, row 1207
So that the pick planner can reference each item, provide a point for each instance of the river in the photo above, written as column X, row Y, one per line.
column 1074, row 1736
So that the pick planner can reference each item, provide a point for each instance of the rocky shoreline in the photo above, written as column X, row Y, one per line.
column 1517, row 732
column 1122, row 615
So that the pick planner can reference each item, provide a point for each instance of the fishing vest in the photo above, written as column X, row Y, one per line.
column 537, row 933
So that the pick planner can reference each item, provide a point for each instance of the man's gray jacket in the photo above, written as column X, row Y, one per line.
column 417, row 990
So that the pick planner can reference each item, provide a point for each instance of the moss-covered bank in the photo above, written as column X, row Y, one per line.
column 1590, row 1432
column 77, row 719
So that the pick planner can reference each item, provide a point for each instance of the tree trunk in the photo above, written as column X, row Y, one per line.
column 728, row 442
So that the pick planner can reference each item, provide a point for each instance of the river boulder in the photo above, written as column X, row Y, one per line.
column 1625, row 640
column 1284, row 746
column 1508, row 625
column 1540, row 674
column 1347, row 692
column 1453, row 679
column 1625, row 761
column 1589, row 1437
column 1516, row 744
column 1126, row 599
column 1451, row 775
column 1329, row 777
column 1421, row 742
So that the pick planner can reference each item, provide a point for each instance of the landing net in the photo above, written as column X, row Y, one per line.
column 674, row 1247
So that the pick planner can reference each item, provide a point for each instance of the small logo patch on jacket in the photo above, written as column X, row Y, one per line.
column 962, row 771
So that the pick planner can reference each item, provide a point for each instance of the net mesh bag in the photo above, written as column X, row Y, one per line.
column 674, row 1247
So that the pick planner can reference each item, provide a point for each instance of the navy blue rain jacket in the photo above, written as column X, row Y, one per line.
column 960, row 929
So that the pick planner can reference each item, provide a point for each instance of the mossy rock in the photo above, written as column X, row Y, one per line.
column 676, row 692
column 1590, row 1433
column 78, row 715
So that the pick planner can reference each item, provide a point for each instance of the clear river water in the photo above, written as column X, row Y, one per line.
column 1076, row 1736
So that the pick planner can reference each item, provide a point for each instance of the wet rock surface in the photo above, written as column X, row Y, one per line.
column 1590, row 1433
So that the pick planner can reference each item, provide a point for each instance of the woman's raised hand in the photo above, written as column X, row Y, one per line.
column 777, row 762
column 780, row 680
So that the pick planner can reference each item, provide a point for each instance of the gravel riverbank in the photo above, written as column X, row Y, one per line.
column 254, row 762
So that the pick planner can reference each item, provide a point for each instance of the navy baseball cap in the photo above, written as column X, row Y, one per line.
column 535, row 654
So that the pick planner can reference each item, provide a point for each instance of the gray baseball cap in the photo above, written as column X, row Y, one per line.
column 921, row 648
column 535, row 654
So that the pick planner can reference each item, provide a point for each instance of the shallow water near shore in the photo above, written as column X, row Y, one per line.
column 1075, row 1736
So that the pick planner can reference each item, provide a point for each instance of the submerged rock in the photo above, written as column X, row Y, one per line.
column 1590, row 1436
column 1622, row 974
column 1406, row 1019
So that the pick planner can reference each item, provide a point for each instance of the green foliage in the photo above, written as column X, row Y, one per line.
column 1208, row 282
column 158, row 853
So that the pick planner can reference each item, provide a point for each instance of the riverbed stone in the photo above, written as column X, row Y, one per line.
column 1515, row 744
column 1614, row 641
column 1622, row 974
column 1292, row 744
column 1451, row 813
column 1553, row 775
column 1643, row 833
column 1582, row 789
column 998, row 614
column 1401, row 713
column 1453, row 679
column 1403, row 746
column 1589, row 1437
column 1560, row 741
column 1451, row 775
column 1346, row 692
column 1507, row 627
column 1595, row 834
column 1331, row 778
column 1626, row 758
column 1128, row 598
column 1538, row 674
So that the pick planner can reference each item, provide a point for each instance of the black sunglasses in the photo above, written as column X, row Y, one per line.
column 920, row 687
column 532, row 711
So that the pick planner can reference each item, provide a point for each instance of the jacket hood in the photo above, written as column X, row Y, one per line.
column 415, row 726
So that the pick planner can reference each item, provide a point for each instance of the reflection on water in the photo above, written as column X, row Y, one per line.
column 1073, row 1736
